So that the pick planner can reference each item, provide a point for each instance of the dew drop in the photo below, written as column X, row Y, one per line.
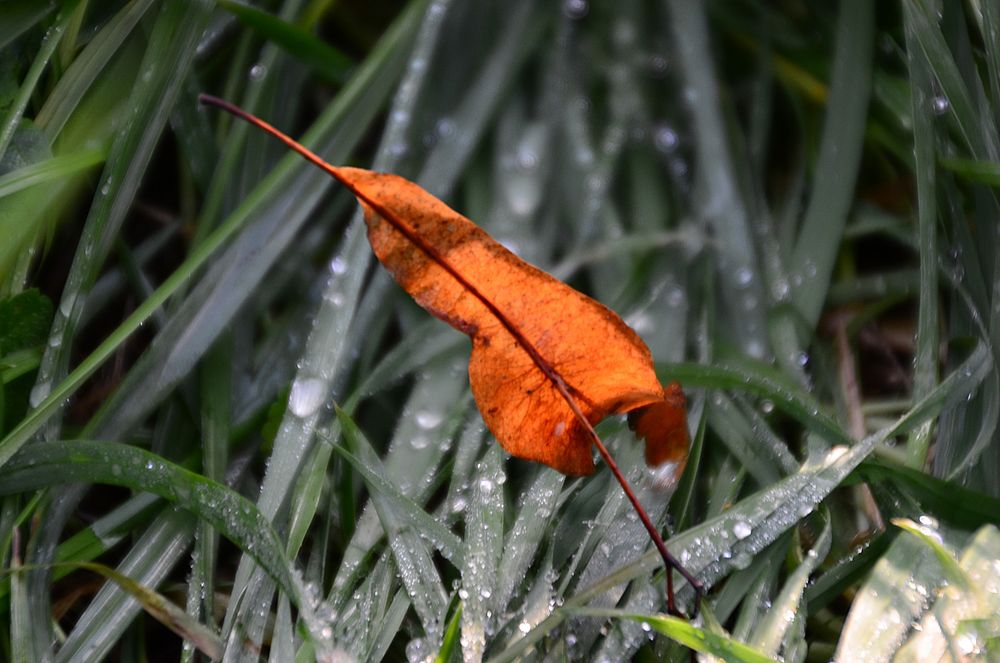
column 38, row 394
column 576, row 9
column 66, row 305
column 665, row 139
column 742, row 560
column 445, row 127
column 338, row 265
column 428, row 419
column 306, row 397
column 742, row 530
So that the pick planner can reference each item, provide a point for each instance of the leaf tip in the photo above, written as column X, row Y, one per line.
column 663, row 425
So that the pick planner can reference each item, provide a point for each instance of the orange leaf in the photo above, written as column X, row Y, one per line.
column 533, row 336
column 547, row 363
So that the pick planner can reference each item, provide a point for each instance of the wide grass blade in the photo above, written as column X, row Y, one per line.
column 48, row 464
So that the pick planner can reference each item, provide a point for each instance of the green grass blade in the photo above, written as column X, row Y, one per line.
column 48, row 170
column 171, row 53
column 952, row 504
column 773, row 632
column 978, row 133
column 86, row 67
column 481, row 558
column 536, row 515
column 325, row 60
column 684, row 632
column 925, row 362
column 21, row 641
column 451, row 638
column 367, row 464
column 19, row 16
column 963, row 618
column 985, row 172
column 762, row 380
column 416, row 568
column 47, row 464
column 891, row 599
column 150, row 559
column 836, row 172
column 724, row 209
column 160, row 608
column 49, row 44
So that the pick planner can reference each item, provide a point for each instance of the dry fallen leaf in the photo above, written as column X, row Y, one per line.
column 532, row 335
column 548, row 363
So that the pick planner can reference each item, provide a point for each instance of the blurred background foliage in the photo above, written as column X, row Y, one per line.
column 227, row 433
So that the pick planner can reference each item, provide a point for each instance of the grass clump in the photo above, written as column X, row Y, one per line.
column 795, row 207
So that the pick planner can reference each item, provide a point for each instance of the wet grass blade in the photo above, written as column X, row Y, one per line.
column 330, row 63
column 49, row 464
column 684, row 632
column 839, row 159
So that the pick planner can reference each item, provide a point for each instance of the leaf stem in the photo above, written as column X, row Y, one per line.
column 669, row 561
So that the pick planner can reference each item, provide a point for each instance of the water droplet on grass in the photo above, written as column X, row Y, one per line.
column 742, row 530
column 576, row 9
column 428, row 419
column 306, row 397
